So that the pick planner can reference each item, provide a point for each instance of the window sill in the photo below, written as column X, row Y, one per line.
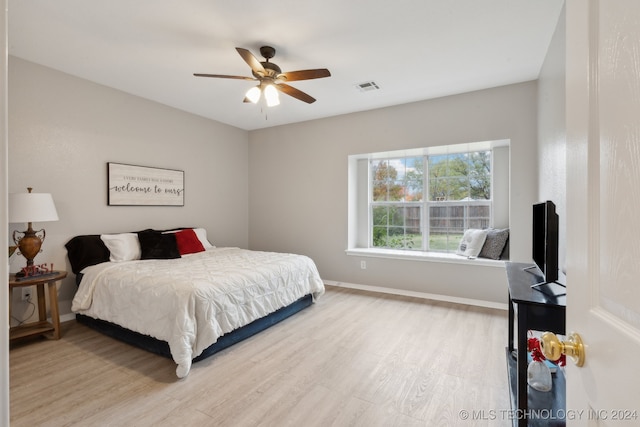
column 424, row 256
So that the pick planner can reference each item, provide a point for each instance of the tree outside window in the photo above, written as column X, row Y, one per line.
column 459, row 197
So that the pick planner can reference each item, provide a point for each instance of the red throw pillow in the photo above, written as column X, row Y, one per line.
column 188, row 242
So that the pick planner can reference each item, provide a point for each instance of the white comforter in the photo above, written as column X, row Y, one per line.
column 191, row 301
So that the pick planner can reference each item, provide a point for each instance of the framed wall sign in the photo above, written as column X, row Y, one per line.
column 129, row 185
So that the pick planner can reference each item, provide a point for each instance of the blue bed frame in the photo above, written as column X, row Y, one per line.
column 86, row 250
column 162, row 347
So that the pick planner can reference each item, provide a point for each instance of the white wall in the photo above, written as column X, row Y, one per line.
column 552, row 167
column 62, row 132
column 298, row 185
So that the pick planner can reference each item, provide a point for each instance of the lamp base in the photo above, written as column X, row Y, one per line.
column 29, row 245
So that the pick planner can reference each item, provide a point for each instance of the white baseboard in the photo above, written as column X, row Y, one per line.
column 424, row 295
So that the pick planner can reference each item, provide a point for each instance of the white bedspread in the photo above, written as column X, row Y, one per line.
column 191, row 301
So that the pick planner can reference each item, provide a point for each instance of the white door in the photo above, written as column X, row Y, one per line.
column 603, row 209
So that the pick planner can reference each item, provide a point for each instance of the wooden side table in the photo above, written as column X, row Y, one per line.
column 42, row 326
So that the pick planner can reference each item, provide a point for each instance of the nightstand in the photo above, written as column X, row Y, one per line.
column 42, row 326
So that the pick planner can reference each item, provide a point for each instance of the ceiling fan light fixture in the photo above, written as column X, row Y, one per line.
column 271, row 95
column 253, row 94
column 269, row 75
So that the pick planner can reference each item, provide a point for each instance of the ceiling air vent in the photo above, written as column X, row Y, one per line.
column 367, row 86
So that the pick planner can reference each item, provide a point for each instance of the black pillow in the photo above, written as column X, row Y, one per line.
column 155, row 245
column 86, row 250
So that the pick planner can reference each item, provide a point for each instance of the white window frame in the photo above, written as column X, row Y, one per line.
column 425, row 205
column 360, row 227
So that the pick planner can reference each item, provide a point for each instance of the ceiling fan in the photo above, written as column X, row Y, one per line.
column 271, row 78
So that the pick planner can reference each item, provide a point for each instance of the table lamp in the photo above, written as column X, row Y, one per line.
column 30, row 207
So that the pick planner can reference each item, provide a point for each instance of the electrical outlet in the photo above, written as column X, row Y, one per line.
column 26, row 293
column 363, row 265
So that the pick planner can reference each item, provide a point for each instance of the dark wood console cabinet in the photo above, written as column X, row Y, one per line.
column 533, row 309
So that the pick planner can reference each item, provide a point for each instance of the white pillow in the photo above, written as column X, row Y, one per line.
column 202, row 236
column 472, row 242
column 123, row 247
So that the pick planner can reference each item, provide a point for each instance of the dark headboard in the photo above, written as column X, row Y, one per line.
column 89, row 249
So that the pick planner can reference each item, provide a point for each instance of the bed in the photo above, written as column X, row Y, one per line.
column 173, row 293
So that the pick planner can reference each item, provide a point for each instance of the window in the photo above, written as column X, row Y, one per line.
column 459, row 197
column 396, row 208
column 424, row 199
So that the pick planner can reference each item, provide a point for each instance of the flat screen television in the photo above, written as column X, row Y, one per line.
column 545, row 240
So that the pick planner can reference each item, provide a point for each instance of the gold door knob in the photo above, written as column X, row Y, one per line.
column 553, row 348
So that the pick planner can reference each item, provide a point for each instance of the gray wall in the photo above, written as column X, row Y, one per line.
column 62, row 132
column 298, row 185
column 280, row 189
column 552, row 168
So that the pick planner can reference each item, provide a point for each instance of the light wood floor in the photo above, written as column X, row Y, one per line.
column 354, row 358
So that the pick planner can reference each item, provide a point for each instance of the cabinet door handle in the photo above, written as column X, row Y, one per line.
column 553, row 348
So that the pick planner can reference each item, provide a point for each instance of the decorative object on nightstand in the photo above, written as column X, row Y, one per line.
column 30, row 207
column 538, row 372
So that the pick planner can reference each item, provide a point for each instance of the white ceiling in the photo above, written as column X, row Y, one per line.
column 413, row 49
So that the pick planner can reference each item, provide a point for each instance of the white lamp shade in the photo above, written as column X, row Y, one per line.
column 32, row 207
column 253, row 94
column 271, row 95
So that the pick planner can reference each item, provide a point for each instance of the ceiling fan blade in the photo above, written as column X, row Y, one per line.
column 224, row 76
column 253, row 62
column 292, row 76
column 298, row 94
